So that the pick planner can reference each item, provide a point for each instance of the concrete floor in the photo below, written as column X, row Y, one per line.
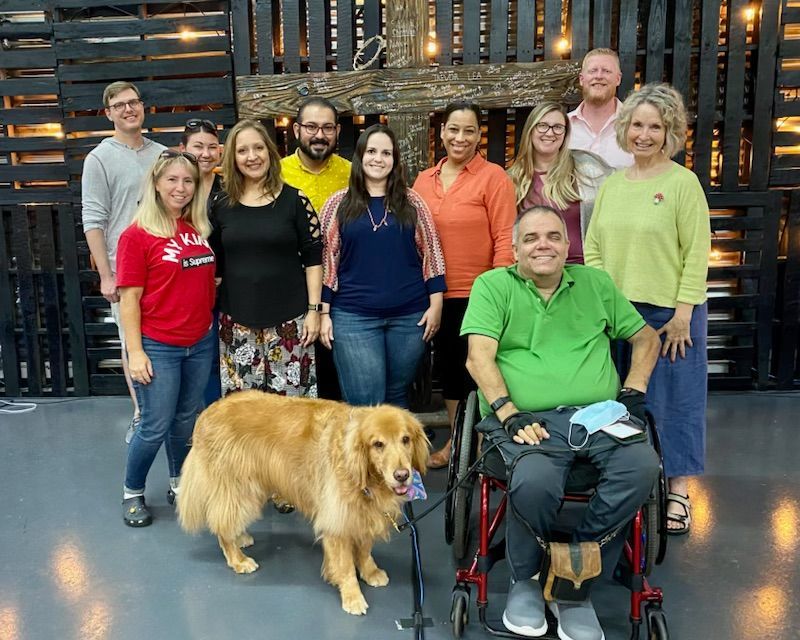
column 70, row 569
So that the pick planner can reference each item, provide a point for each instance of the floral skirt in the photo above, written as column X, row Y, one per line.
column 270, row 359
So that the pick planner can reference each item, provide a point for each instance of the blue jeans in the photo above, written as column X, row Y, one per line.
column 376, row 358
column 169, row 406
column 213, row 390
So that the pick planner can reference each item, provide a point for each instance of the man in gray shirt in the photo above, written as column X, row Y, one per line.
column 110, row 189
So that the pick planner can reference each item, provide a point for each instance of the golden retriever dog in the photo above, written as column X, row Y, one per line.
column 347, row 469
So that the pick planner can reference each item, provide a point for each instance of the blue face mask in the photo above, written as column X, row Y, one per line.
column 417, row 490
column 595, row 417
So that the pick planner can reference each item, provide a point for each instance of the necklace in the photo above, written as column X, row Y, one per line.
column 382, row 223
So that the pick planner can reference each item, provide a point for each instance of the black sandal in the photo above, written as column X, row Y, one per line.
column 685, row 519
column 135, row 513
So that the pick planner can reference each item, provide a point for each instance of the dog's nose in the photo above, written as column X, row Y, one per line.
column 401, row 475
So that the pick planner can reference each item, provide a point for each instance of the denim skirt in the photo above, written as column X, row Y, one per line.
column 677, row 393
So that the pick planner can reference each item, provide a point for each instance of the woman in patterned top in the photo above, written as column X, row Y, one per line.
column 384, row 275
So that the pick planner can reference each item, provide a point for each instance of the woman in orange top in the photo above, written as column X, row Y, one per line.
column 473, row 206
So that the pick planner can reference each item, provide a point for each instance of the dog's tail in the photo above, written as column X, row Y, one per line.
column 193, row 494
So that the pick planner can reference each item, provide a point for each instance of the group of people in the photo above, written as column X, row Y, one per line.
column 260, row 265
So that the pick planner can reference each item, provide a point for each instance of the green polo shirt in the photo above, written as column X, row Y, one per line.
column 334, row 176
column 557, row 352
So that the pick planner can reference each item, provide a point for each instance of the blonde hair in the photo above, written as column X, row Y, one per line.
column 559, row 186
column 669, row 103
column 232, row 178
column 151, row 214
column 600, row 51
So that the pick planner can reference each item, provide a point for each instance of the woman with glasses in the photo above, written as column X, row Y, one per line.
column 384, row 275
column 546, row 172
column 201, row 139
column 267, row 239
column 165, row 274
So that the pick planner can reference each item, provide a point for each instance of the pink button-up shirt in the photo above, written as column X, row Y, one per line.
column 604, row 144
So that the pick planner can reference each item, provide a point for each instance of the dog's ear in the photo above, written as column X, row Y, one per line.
column 420, row 443
column 356, row 450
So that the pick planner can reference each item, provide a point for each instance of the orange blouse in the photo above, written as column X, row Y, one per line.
column 474, row 220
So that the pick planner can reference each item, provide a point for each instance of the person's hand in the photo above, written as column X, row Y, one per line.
column 326, row 331
column 108, row 288
column 311, row 326
column 525, row 427
column 677, row 337
column 140, row 367
column 634, row 401
column 431, row 319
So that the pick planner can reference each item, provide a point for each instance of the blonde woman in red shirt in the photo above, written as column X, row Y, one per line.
column 473, row 206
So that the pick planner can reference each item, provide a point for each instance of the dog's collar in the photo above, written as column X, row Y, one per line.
column 386, row 514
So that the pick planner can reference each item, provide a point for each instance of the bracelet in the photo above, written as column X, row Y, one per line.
column 324, row 313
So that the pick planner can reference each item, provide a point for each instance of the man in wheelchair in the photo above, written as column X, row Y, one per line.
column 539, row 339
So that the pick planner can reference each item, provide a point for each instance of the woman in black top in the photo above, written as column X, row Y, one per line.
column 266, row 237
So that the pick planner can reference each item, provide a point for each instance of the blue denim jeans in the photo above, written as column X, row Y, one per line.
column 376, row 358
column 169, row 406
column 213, row 390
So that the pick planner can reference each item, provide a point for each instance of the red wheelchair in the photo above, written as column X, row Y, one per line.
column 645, row 545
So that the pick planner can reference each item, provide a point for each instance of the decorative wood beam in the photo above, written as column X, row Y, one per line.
column 395, row 91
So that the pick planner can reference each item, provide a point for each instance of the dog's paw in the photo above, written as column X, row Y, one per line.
column 245, row 540
column 355, row 603
column 248, row 565
column 376, row 578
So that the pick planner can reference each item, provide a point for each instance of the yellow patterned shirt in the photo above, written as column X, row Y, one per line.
column 317, row 186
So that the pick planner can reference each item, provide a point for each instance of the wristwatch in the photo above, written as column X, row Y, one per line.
column 502, row 400
column 315, row 307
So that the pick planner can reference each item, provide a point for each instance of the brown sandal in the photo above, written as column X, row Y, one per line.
column 441, row 458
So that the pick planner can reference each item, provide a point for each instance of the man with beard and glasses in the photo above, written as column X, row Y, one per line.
column 593, row 120
column 318, row 172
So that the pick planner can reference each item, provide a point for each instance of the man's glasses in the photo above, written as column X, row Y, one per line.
column 311, row 128
column 169, row 153
column 195, row 124
column 543, row 127
column 120, row 106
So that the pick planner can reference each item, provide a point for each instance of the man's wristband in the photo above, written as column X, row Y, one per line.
column 500, row 402
column 628, row 391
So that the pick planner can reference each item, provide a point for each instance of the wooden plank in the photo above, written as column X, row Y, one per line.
column 291, row 36
column 201, row 5
column 18, row 6
column 787, row 348
column 224, row 116
column 628, row 20
column 51, row 311
column 35, row 195
column 498, row 35
column 31, row 172
column 790, row 15
column 724, row 328
column 28, row 86
column 656, row 32
column 737, row 301
column 133, row 48
column 471, row 32
column 762, row 105
column 767, row 286
column 27, row 296
column 20, row 30
column 786, row 48
column 264, row 16
column 30, row 115
column 785, row 178
column 552, row 29
column 146, row 26
column 526, row 30
column 35, row 143
column 240, row 36
column 72, row 298
column 726, row 200
column 318, row 34
column 601, row 24
column 28, row 58
column 107, row 384
column 682, row 48
column 8, row 346
column 498, row 86
column 81, row 97
column 706, row 91
column 734, row 95
column 134, row 70
column 580, row 29
column 345, row 28
column 444, row 30
column 786, row 161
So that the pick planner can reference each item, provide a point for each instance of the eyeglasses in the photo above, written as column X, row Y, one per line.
column 311, row 128
column 120, row 106
column 197, row 123
column 543, row 127
column 169, row 153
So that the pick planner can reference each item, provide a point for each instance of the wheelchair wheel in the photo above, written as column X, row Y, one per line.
column 461, row 457
column 459, row 611
column 652, row 544
column 656, row 623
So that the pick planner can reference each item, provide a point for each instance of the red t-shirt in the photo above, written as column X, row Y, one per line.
column 177, row 275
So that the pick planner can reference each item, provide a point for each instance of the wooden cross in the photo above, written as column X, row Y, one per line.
column 410, row 89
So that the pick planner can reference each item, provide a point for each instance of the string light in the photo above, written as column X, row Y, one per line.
column 749, row 13
column 432, row 48
column 715, row 255
column 563, row 44
column 188, row 34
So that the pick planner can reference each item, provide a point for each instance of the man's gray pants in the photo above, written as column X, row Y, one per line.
column 627, row 475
